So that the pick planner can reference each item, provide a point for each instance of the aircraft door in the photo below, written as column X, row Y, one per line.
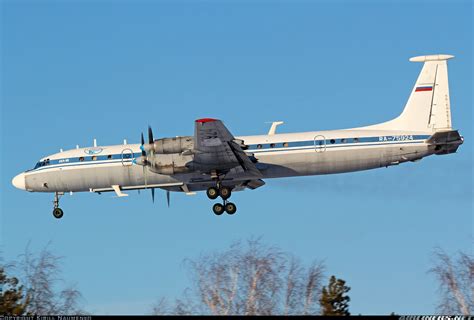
column 319, row 143
column 127, row 154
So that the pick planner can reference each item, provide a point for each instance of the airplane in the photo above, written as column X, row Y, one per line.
column 216, row 161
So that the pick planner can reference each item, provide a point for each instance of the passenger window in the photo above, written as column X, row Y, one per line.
column 94, row 158
column 332, row 141
column 81, row 158
column 272, row 145
column 109, row 156
column 285, row 144
column 343, row 140
column 259, row 146
column 356, row 139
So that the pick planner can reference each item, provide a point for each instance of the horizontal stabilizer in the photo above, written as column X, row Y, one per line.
column 434, row 57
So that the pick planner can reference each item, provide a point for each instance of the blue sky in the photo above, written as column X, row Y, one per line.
column 77, row 70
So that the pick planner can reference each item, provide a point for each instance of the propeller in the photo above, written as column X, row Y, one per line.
column 168, row 197
column 144, row 160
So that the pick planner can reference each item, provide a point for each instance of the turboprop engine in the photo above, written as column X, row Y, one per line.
column 170, row 145
column 166, row 156
column 169, row 164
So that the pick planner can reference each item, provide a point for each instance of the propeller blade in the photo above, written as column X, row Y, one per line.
column 141, row 147
column 150, row 135
column 153, row 195
column 168, row 197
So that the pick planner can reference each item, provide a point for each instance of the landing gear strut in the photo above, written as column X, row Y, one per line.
column 57, row 211
column 224, row 193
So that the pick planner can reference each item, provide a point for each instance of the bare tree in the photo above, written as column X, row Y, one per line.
column 250, row 279
column 40, row 276
column 456, row 282
column 161, row 307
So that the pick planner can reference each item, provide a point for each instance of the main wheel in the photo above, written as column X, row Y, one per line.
column 212, row 193
column 218, row 209
column 224, row 192
column 230, row 208
column 58, row 213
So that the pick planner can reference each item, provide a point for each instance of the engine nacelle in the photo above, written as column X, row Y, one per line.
column 173, row 145
column 170, row 164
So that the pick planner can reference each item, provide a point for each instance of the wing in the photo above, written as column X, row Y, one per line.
column 216, row 149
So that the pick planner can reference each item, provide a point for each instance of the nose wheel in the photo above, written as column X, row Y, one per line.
column 57, row 211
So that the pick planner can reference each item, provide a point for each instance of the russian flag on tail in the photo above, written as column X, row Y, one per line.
column 424, row 88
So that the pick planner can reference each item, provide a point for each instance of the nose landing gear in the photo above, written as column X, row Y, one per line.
column 57, row 211
column 224, row 193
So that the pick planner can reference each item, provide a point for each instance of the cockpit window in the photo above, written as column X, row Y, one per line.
column 42, row 163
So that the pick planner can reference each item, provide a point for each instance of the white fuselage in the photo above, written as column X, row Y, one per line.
column 97, row 169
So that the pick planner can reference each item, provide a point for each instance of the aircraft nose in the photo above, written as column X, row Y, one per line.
column 19, row 181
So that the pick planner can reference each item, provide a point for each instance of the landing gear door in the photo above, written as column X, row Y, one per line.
column 319, row 143
column 127, row 157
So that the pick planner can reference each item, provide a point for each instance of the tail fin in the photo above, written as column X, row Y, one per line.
column 428, row 108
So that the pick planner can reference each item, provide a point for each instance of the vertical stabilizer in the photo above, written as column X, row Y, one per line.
column 428, row 107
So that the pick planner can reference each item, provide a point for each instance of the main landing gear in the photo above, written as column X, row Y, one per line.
column 57, row 211
column 224, row 193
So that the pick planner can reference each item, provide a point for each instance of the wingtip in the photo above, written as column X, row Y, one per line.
column 204, row 120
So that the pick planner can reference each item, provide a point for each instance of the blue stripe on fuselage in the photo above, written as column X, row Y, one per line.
column 256, row 148
column 331, row 142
